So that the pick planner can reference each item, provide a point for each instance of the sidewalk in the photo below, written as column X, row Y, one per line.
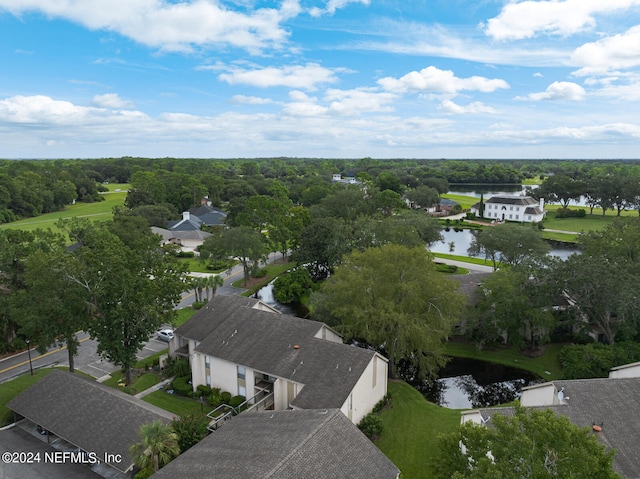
column 154, row 388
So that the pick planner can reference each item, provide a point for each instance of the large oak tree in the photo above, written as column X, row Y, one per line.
column 392, row 297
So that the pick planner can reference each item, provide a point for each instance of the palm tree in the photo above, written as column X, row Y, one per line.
column 158, row 446
column 212, row 284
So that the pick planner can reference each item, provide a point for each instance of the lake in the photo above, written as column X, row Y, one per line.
column 462, row 240
column 470, row 383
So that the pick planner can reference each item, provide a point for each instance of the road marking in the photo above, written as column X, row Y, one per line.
column 33, row 360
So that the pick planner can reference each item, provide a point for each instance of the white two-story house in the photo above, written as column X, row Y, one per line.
column 242, row 346
column 511, row 208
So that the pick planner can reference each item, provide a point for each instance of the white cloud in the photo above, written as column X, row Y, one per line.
column 171, row 25
column 250, row 100
column 609, row 53
column 519, row 20
column 333, row 5
column 558, row 90
column 39, row 126
column 306, row 76
column 538, row 75
column 112, row 100
column 432, row 79
column 350, row 102
column 475, row 107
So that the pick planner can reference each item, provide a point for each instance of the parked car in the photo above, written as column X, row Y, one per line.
column 165, row 334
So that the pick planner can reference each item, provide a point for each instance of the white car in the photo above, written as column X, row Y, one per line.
column 165, row 334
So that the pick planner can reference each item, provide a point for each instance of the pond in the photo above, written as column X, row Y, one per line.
column 470, row 383
column 457, row 243
column 265, row 294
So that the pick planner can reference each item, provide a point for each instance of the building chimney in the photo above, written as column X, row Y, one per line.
column 186, row 215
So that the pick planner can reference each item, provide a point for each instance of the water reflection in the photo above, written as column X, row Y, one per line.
column 468, row 383
column 458, row 242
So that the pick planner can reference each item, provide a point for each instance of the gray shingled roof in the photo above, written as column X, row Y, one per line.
column 92, row 416
column 203, row 323
column 208, row 215
column 512, row 200
column 612, row 403
column 311, row 444
column 265, row 341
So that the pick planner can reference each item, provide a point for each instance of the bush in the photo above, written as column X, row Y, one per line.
column 214, row 398
column 371, row 426
column 185, row 254
column 17, row 344
column 595, row 360
column 191, row 428
column 226, row 397
column 203, row 390
column 182, row 387
column 177, row 367
column 236, row 401
column 198, row 304
column 569, row 213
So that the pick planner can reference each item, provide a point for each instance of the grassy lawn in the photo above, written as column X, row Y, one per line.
column 177, row 405
column 464, row 201
column 466, row 259
column 564, row 237
column 183, row 315
column 100, row 211
column 411, row 427
column 593, row 222
column 548, row 362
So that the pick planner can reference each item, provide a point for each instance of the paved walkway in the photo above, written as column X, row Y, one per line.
column 154, row 388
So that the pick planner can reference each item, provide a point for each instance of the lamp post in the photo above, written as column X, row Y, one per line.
column 29, row 353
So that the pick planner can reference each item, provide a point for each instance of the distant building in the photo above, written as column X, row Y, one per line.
column 349, row 180
column 511, row 208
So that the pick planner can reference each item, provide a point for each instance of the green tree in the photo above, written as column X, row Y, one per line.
column 322, row 245
column 530, row 444
column 190, row 428
column 246, row 244
column 159, row 445
column 517, row 304
column 509, row 243
column 129, row 290
column 393, row 297
column 292, row 286
column 57, row 319
column 560, row 189
column 603, row 295
column 423, row 196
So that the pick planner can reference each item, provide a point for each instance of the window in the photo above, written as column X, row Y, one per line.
column 209, row 380
column 242, row 391
column 510, row 208
column 510, row 217
column 529, row 217
column 242, row 372
column 517, row 216
column 207, row 362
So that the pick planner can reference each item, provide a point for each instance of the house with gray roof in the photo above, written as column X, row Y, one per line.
column 209, row 215
column 610, row 403
column 242, row 346
column 310, row 444
column 511, row 208
column 93, row 417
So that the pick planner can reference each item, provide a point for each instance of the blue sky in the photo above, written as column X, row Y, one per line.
column 320, row 78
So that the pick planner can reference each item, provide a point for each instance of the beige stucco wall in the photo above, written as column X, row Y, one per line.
column 328, row 334
column 365, row 395
column 626, row 371
column 539, row 395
